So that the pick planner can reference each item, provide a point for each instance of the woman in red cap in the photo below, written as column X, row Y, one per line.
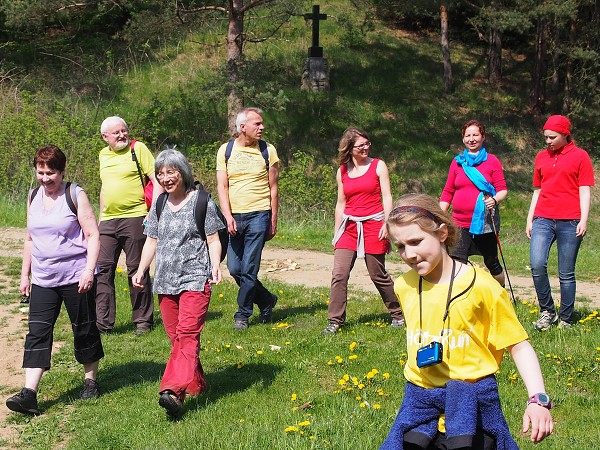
column 560, row 206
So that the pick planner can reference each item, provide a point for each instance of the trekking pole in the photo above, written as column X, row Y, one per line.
column 492, row 212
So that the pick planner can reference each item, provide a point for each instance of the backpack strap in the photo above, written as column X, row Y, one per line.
column 262, row 145
column 161, row 201
column 200, row 211
column 70, row 196
column 137, row 164
column 33, row 193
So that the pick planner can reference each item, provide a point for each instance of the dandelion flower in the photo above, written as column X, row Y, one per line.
column 304, row 423
column 353, row 357
column 291, row 429
column 294, row 397
column 376, row 406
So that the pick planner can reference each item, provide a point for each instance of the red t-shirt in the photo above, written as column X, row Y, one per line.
column 559, row 175
column 363, row 198
column 462, row 193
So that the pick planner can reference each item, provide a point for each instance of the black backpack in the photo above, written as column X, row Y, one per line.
column 262, row 146
column 200, row 215
column 70, row 196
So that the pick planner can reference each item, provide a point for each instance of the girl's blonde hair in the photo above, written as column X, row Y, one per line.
column 425, row 211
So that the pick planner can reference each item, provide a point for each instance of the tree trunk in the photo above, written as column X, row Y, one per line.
column 494, row 73
column 235, row 44
column 555, row 84
column 566, row 107
column 448, row 82
column 537, row 94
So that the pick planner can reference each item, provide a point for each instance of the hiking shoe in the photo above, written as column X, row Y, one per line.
column 25, row 402
column 141, row 330
column 172, row 404
column 545, row 321
column 331, row 328
column 91, row 389
column 398, row 323
column 564, row 324
column 267, row 314
column 240, row 325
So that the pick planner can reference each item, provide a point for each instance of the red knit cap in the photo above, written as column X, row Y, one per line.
column 560, row 124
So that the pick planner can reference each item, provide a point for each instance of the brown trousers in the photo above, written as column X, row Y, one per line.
column 127, row 235
column 343, row 262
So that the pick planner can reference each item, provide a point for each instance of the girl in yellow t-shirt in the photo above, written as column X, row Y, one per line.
column 459, row 320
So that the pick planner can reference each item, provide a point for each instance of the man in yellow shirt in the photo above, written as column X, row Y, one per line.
column 247, row 177
column 122, row 213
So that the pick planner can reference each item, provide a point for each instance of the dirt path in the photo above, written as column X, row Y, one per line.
column 312, row 269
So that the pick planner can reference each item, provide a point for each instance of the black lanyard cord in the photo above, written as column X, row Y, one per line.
column 449, row 299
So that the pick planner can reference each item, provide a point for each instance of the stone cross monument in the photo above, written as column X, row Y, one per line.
column 315, row 75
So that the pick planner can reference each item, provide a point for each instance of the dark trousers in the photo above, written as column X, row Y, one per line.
column 127, row 235
column 343, row 262
column 44, row 308
column 243, row 261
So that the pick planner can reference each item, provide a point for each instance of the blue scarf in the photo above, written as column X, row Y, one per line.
column 468, row 161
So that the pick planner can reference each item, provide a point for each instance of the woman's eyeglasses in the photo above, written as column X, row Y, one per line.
column 363, row 146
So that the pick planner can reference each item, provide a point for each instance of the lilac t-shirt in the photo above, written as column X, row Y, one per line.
column 59, row 250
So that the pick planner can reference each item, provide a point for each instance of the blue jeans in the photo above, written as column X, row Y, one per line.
column 243, row 261
column 543, row 234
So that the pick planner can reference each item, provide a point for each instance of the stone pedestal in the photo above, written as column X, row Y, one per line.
column 315, row 74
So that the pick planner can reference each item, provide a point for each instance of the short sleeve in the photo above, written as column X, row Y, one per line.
column 212, row 223
column 145, row 158
column 221, row 165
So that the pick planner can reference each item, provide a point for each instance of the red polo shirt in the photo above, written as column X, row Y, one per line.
column 559, row 174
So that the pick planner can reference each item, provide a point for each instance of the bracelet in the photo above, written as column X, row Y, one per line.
column 495, row 201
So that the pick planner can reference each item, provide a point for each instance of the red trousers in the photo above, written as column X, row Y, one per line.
column 183, row 316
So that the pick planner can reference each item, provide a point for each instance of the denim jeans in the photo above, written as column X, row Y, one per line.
column 243, row 261
column 543, row 234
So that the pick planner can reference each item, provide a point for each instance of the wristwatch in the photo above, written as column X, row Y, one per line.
column 542, row 399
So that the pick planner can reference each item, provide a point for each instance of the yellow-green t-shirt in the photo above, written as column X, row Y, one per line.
column 122, row 190
column 480, row 325
column 249, row 189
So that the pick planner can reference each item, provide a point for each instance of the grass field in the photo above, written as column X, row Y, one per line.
column 284, row 386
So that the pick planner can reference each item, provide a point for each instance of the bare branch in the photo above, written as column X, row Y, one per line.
column 76, row 5
column 254, row 4
column 254, row 41
column 202, row 8
column 68, row 59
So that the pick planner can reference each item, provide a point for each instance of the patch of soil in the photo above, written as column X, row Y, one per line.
column 300, row 267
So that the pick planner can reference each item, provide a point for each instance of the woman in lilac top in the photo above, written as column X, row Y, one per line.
column 474, row 187
column 59, row 264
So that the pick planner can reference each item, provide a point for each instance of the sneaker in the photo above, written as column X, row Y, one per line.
column 398, row 323
column 545, row 321
column 91, row 389
column 240, row 325
column 25, row 402
column 267, row 314
column 331, row 328
column 172, row 404
column 564, row 324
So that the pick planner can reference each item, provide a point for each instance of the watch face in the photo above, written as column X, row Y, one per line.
column 543, row 398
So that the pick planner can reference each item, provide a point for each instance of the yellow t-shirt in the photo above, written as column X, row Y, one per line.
column 249, row 189
column 122, row 190
column 480, row 325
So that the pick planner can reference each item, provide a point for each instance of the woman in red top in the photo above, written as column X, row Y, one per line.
column 474, row 187
column 560, row 206
column 363, row 204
